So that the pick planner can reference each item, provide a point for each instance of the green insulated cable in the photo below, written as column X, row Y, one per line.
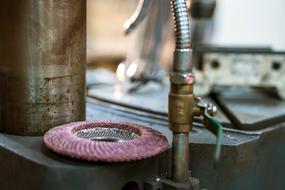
column 217, row 128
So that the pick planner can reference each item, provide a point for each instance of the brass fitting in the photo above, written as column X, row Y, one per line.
column 182, row 103
column 180, row 111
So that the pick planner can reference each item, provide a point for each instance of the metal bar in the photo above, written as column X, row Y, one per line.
column 180, row 155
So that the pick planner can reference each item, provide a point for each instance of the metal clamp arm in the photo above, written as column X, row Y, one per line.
column 138, row 16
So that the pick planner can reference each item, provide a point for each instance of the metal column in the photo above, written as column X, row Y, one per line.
column 42, row 64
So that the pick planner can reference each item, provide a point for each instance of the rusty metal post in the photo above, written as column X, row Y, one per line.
column 42, row 64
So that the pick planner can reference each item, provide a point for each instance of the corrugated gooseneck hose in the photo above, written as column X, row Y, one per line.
column 181, row 23
column 183, row 51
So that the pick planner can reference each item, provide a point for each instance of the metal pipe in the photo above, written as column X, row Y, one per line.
column 182, row 53
column 180, row 150
column 181, row 98
column 42, row 64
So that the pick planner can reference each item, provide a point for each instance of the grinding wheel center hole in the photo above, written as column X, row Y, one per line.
column 105, row 139
column 106, row 134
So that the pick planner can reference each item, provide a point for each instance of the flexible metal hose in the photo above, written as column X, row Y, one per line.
column 182, row 24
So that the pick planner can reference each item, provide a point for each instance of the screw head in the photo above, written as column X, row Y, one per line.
column 213, row 110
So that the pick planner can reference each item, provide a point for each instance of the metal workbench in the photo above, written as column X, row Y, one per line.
column 250, row 159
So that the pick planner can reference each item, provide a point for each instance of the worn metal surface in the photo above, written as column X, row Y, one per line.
column 166, row 184
column 247, row 160
column 27, row 164
column 150, row 98
column 251, row 110
column 42, row 53
column 246, row 109
column 250, row 160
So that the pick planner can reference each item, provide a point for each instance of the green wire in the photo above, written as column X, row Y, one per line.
column 219, row 138
column 218, row 131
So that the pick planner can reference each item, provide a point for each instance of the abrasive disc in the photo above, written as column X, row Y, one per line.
column 107, row 141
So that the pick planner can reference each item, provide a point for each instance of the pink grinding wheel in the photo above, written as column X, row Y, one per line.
column 108, row 141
